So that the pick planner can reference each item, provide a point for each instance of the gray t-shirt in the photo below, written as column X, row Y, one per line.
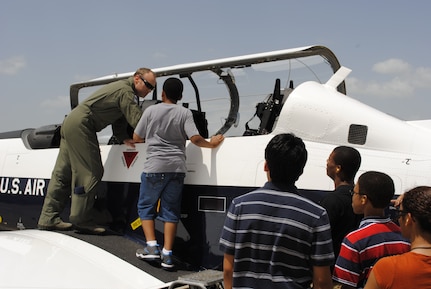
column 165, row 128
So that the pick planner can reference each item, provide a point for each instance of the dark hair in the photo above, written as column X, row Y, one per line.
column 173, row 88
column 417, row 202
column 285, row 156
column 379, row 188
column 349, row 159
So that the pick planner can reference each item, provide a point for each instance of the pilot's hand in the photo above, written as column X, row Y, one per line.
column 129, row 142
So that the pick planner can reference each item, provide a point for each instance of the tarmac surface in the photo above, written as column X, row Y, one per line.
column 125, row 249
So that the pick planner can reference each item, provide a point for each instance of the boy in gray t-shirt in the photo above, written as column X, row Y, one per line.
column 165, row 127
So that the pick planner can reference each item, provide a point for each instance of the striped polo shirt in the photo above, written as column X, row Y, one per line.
column 276, row 237
column 360, row 250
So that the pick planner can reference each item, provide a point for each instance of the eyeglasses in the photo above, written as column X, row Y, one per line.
column 147, row 84
column 352, row 192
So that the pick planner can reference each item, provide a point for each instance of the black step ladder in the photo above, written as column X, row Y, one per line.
column 203, row 279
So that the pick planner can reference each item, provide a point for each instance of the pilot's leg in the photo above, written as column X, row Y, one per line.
column 87, row 169
column 58, row 192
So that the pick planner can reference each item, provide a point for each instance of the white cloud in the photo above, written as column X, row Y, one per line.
column 422, row 77
column 392, row 66
column 403, row 83
column 12, row 65
column 394, row 88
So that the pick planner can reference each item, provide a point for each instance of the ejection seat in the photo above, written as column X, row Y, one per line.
column 269, row 110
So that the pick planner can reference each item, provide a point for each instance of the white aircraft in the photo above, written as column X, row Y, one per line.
column 300, row 91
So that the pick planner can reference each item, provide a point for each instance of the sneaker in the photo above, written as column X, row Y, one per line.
column 148, row 253
column 167, row 261
column 62, row 226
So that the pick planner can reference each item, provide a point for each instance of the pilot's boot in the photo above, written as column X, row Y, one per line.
column 55, row 200
column 61, row 226
column 81, row 212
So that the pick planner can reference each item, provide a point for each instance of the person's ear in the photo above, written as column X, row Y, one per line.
column 265, row 167
column 364, row 199
column 409, row 219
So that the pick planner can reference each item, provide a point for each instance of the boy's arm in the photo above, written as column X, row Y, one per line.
column 371, row 282
column 322, row 277
column 227, row 271
column 214, row 142
column 137, row 138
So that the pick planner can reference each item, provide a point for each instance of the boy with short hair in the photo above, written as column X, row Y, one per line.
column 273, row 237
column 376, row 237
column 165, row 127
column 342, row 165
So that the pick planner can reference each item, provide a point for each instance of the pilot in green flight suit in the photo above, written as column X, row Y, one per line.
column 78, row 170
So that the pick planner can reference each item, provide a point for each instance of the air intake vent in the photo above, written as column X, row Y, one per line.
column 357, row 134
column 212, row 204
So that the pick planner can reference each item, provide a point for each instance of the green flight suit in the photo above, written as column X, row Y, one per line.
column 78, row 170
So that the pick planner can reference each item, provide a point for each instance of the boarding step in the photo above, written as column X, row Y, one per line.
column 203, row 279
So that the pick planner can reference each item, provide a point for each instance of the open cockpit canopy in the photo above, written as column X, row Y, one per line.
column 228, row 94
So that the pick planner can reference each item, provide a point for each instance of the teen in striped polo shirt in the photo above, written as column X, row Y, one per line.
column 272, row 237
column 377, row 235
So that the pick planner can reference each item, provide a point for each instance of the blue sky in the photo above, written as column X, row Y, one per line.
column 46, row 45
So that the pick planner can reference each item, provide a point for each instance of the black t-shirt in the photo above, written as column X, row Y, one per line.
column 338, row 205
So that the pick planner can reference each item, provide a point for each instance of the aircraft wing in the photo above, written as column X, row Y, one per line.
column 42, row 259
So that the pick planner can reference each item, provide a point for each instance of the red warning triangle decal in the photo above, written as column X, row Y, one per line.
column 129, row 157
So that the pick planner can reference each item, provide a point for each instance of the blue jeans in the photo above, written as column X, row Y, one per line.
column 168, row 188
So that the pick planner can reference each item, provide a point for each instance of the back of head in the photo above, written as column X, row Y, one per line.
column 173, row 88
column 349, row 159
column 417, row 202
column 379, row 188
column 285, row 156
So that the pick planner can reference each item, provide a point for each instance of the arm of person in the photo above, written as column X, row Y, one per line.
column 137, row 138
column 322, row 277
column 214, row 142
column 119, row 129
column 397, row 201
column 227, row 271
column 131, row 142
column 371, row 282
